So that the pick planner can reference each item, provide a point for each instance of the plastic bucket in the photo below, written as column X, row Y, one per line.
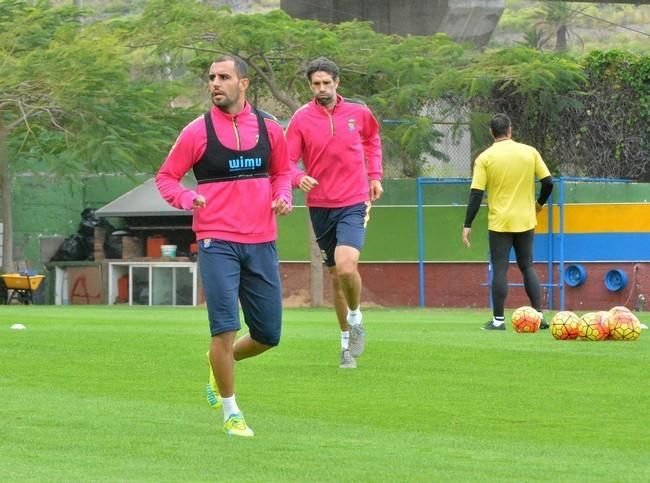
column 168, row 250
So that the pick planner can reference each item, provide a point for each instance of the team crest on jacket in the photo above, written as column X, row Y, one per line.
column 350, row 124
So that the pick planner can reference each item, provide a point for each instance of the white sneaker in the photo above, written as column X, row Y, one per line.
column 347, row 361
column 357, row 340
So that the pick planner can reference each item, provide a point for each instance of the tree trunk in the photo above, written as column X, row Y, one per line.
column 315, row 270
column 315, row 259
column 561, row 39
column 79, row 4
column 7, row 221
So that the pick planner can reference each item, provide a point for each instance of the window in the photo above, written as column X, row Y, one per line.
column 152, row 283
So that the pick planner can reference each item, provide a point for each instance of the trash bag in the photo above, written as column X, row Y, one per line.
column 89, row 220
column 73, row 248
column 81, row 245
column 113, row 244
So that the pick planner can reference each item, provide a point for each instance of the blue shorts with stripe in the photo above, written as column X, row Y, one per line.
column 246, row 273
column 339, row 226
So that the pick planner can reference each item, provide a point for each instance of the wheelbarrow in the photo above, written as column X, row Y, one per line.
column 21, row 286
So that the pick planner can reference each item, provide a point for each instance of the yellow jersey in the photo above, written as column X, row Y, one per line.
column 507, row 171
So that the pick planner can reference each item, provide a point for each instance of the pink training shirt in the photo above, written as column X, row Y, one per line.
column 239, row 210
column 341, row 149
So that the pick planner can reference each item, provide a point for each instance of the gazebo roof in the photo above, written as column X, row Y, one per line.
column 143, row 200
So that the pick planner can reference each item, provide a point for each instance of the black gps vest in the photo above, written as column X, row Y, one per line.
column 220, row 163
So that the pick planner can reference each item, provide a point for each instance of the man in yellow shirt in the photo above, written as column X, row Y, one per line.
column 507, row 171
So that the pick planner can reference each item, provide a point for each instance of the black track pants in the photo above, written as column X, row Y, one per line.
column 500, row 244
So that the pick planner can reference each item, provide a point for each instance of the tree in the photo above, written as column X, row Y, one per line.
column 535, row 88
column 387, row 72
column 558, row 24
column 390, row 73
column 68, row 103
column 588, row 117
column 532, row 38
column 610, row 136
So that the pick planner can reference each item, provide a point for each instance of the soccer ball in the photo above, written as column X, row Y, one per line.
column 564, row 325
column 625, row 326
column 594, row 326
column 619, row 308
column 607, row 321
column 614, row 310
column 526, row 319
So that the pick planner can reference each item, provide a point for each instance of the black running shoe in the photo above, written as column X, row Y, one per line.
column 490, row 326
column 543, row 325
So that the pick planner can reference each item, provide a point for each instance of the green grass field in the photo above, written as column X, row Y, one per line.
column 116, row 394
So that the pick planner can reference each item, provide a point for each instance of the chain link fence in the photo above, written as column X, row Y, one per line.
column 456, row 145
column 449, row 156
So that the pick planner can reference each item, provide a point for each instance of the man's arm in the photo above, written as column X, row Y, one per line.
column 295, row 149
column 279, row 170
column 473, row 205
column 371, row 143
column 372, row 146
column 545, row 191
column 179, row 161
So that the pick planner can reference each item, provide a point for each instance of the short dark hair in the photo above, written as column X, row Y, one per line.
column 322, row 64
column 241, row 67
column 499, row 125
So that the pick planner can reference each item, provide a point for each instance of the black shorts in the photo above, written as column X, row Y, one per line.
column 234, row 273
column 339, row 226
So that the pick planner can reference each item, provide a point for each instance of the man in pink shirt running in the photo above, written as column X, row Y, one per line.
column 340, row 148
column 239, row 157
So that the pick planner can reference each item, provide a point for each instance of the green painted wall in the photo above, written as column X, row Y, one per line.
column 393, row 235
column 392, row 231
column 293, row 235
column 603, row 192
column 44, row 207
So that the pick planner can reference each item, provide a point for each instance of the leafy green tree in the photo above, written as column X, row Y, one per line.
column 610, row 136
column 389, row 73
column 532, row 38
column 588, row 117
column 535, row 88
column 558, row 24
column 69, row 104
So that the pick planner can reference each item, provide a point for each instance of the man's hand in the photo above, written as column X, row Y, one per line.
column 466, row 233
column 538, row 207
column 375, row 190
column 199, row 202
column 307, row 183
column 280, row 207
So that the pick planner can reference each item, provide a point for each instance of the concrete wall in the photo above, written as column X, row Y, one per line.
column 463, row 20
column 465, row 285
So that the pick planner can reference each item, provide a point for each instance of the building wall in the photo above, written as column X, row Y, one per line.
column 465, row 285
column 606, row 226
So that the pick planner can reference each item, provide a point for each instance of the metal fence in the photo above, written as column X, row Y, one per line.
column 455, row 145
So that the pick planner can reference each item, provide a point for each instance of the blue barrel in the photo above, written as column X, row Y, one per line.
column 615, row 280
column 575, row 275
